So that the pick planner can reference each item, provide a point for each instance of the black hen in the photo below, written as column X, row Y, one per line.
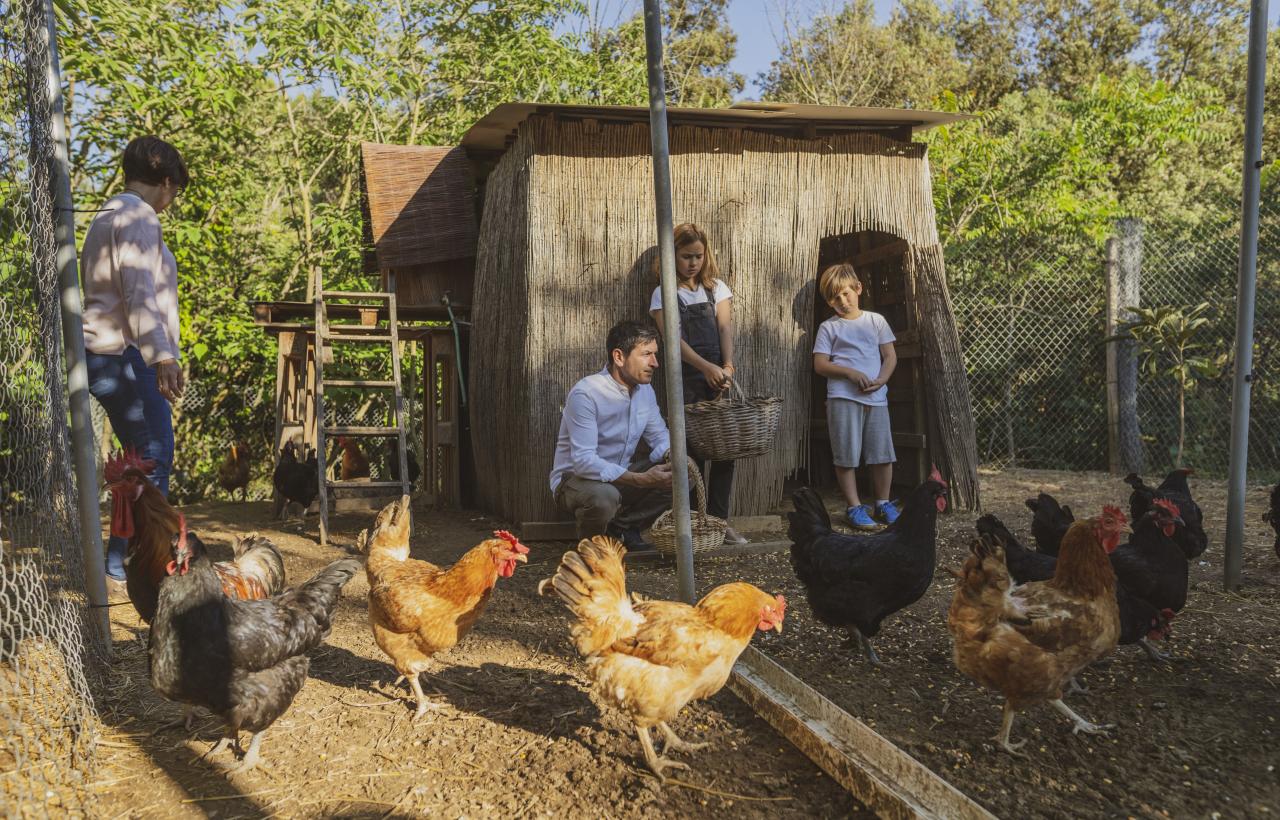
column 295, row 482
column 391, row 452
column 1049, row 522
column 855, row 581
column 1191, row 537
column 1140, row 620
column 1152, row 564
column 1024, row 564
column 242, row 660
column 1273, row 516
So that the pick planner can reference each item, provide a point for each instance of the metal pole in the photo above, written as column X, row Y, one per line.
column 82, row 445
column 1246, row 287
column 670, row 308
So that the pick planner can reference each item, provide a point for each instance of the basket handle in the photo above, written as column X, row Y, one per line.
column 695, row 477
column 738, row 395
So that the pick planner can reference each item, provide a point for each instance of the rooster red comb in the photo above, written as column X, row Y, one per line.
column 934, row 475
column 512, row 540
column 128, row 458
column 1115, row 513
column 1168, row 506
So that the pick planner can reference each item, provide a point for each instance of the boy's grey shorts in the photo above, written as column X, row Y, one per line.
column 859, row 433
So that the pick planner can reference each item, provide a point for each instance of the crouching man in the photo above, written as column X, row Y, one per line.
column 596, row 476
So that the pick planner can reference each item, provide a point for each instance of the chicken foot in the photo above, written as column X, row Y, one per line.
column 656, row 764
column 416, row 685
column 230, row 738
column 1151, row 650
column 859, row 641
column 1006, row 726
column 187, row 720
column 672, row 742
column 1080, row 724
column 251, row 757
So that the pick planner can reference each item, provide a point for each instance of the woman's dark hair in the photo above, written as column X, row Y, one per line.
column 152, row 160
column 625, row 335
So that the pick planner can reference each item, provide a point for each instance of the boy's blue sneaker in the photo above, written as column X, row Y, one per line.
column 888, row 512
column 860, row 518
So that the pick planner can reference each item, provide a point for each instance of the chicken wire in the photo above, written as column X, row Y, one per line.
column 47, row 717
column 1032, row 314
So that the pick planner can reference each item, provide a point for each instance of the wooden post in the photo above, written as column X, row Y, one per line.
column 1124, row 279
column 1113, row 389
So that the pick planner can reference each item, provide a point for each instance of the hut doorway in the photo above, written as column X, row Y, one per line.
column 880, row 260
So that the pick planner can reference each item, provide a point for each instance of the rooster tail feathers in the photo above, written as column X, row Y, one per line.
column 810, row 518
column 592, row 583
column 257, row 557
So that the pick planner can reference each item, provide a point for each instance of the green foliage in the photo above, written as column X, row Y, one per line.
column 1172, row 344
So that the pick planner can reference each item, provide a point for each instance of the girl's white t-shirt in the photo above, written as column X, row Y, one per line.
column 855, row 343
column 696, row 296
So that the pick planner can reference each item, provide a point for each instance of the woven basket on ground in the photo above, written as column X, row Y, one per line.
column 708, row 531
column 737, row 426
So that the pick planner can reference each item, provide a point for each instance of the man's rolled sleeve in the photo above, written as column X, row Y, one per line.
column 583, row 441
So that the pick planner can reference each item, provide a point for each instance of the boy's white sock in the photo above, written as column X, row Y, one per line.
column 882, row 503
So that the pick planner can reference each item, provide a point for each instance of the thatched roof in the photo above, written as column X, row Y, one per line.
column 566, row 243
column 496, row 130
column 419, row 204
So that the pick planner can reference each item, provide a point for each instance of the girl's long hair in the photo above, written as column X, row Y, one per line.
column 686, row 234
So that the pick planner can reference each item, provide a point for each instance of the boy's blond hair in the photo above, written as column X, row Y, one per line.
column 836, row 278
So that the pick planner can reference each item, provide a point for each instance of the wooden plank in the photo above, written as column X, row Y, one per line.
column 898, row 248
column 886, row 779
column 567, row 531
column 352, row 430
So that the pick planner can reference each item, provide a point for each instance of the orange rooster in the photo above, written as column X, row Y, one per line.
column 140, row 513
column 233, row 473
column 649, row 658
column 354, row 463
column 1027, row 641
column 417, row 609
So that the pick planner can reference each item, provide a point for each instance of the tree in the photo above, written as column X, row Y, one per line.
column 1167, row 341
column 699, row 47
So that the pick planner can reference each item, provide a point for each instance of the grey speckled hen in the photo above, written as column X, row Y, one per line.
column 242, row 660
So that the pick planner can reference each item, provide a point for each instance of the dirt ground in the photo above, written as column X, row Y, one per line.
column 518, row 734
column 1194, row 738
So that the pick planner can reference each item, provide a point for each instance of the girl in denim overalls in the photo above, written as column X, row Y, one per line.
column 706, row 344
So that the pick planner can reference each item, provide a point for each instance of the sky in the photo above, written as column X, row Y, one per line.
column 758, row 24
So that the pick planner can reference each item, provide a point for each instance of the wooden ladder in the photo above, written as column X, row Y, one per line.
column 327, row 337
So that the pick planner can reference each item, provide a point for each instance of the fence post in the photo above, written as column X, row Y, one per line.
column 1124, row 277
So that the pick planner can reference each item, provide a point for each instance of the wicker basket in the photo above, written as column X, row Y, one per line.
column 724, row 429
column 708, row 531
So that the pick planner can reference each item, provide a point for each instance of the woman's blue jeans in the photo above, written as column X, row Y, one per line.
column 141, row 418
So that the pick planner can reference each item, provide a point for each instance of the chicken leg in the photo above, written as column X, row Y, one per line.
column 1075, row 688
column 1152, row 652
column 672, row 742
column 251, row 758
column 859, row 641
column 231, row 737
column 1080, row 724
column 656, row 764
column 416, row 685
column 1006, row 726
column 186, row 721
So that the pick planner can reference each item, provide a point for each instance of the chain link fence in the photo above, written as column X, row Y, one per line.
column 1032, row 320
column 47, row 644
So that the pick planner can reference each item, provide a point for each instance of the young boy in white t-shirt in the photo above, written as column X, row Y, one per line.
column 854, row 352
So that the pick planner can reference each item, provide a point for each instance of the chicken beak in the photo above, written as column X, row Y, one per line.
column 1126, row 530
column 522, row 558
column 778, row 627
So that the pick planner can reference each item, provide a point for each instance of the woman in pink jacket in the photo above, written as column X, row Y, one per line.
column 131, row 312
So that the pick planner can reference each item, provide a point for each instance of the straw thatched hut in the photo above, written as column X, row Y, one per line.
column 565, row 246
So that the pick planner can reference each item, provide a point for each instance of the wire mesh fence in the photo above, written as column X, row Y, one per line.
column 47, row 645
column 1032, row 320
